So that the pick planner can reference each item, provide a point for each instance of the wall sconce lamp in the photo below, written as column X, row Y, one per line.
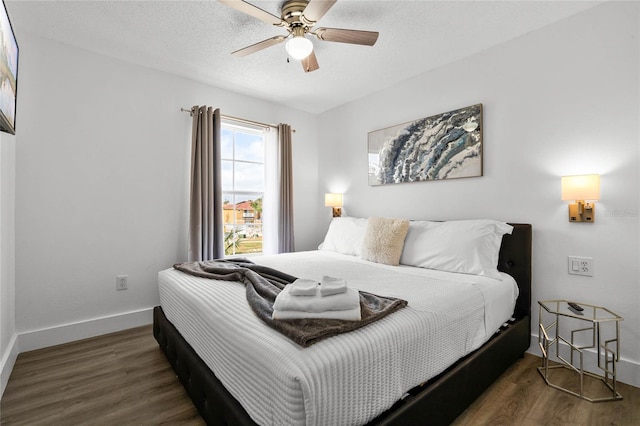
column 581, row 189
column 335, row 201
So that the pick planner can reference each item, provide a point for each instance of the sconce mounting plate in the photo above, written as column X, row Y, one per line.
column 582, row 212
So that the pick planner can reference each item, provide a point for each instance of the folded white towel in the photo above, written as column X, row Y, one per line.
column 348, row 315
column 303, row 287
column 337, row 302
column 332, row 285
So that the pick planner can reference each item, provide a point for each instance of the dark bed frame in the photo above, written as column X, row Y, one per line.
column 440, row 400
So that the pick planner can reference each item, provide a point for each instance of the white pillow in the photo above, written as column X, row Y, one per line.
column 384, row 240
column 465, row 246
column 345, row 235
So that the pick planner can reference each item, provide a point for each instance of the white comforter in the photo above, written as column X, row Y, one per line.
column 347, row 379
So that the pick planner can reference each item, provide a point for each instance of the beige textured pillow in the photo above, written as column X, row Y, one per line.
column 384, row 239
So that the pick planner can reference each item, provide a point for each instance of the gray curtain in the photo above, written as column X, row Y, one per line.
column 285, row 225
column 206, row 233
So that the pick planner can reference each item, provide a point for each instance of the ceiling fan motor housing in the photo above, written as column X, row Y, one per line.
column 292, row 14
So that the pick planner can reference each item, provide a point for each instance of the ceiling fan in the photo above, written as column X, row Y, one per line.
column 298, row 17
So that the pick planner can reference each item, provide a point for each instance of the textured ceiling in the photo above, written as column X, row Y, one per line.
column 194, row 39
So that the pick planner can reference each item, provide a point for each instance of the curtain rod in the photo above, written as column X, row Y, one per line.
column 240, row 120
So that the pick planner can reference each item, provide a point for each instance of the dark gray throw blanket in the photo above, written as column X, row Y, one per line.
column 263, row 285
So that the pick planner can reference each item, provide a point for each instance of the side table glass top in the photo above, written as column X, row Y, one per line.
column 590, row 313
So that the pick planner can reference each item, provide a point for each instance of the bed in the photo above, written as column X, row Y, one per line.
column 439, row 397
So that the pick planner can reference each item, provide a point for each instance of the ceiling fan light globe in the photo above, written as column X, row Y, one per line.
column 299, row 47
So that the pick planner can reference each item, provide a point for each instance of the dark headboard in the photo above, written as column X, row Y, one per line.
column 515, row 260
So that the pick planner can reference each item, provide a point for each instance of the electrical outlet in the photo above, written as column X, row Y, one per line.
column 581, row 266
column 121, row 282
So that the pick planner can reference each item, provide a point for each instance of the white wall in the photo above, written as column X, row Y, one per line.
column 8, row 346
column 102, row 186
column 562, row 100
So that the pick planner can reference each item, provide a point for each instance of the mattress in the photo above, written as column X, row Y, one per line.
column 347, row 379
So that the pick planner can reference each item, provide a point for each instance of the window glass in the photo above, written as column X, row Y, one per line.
column 249, row 147
column 249, row 176
column 243, row 186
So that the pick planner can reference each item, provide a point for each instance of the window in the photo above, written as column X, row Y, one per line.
column 244, row 151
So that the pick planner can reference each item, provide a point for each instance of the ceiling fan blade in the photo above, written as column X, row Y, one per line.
column 254, row 11
column 310, row 63
column 258, row 46
column 316, row 10
column 339, row 35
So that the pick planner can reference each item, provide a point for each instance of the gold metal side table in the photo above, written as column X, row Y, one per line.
column 608, row 351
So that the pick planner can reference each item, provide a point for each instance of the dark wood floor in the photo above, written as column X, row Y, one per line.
column 521, row 397
column 123, row 379
column 118, row 379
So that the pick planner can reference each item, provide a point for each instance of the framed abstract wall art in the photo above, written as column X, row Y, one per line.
column 443, row 146
column 8, row 73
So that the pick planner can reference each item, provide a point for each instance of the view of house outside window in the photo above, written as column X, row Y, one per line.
column 243, row 188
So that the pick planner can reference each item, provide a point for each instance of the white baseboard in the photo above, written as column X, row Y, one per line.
column 627, row 371
column 65, row 333
column 8, row 361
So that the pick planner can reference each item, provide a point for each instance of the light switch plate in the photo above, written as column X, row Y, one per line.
column 581, row 266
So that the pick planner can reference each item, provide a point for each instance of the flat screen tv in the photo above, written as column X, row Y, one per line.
column 8, row 73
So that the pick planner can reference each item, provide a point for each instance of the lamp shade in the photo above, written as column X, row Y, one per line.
column 299, row 47
column 581, row 187
column 333, row 200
